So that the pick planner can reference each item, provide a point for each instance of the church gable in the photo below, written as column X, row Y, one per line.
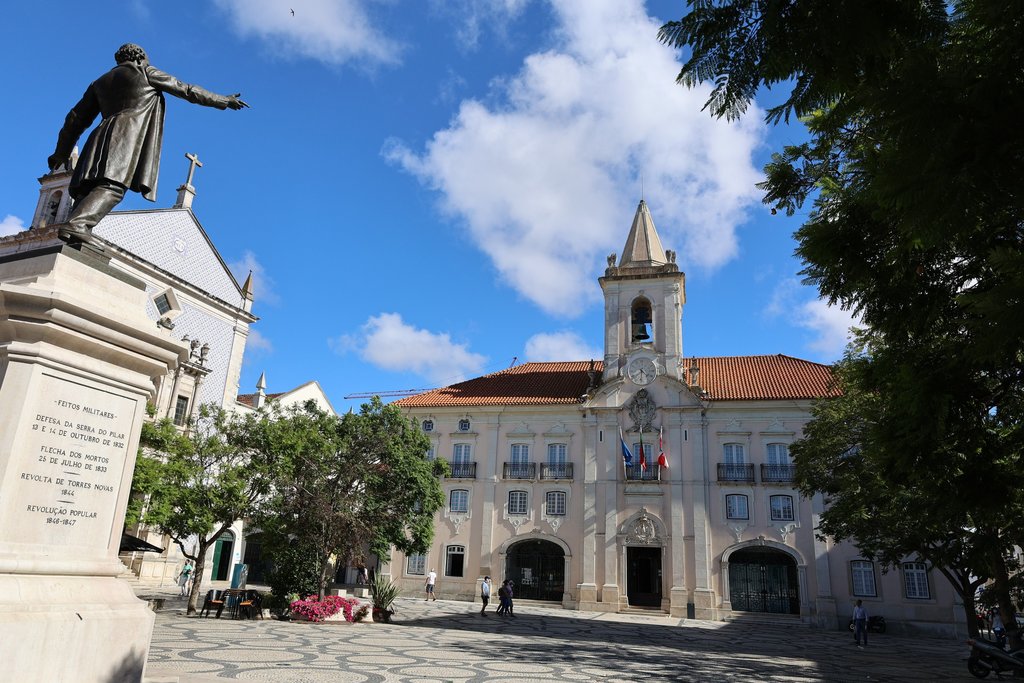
column 174, row 241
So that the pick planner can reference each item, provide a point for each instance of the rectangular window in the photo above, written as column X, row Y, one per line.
column 517, row 502
column 416, row 564
column 778, row 454
column 181, row 410
column 163, row 303
column 460, row 453
column 782, row 508
column 431, row 452
column 915, row 580
column 455, row 560
column 733, row 453
column 555, row 503
column 459, row 501
column 556, row 453
column 736, row 507
column 862, row 574
column 520, row 454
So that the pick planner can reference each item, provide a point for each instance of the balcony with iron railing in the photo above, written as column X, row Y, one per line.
column 777, row 474
column 519, row 470
column 638, row 473
column 562, row 470
column 462, row 470
column 735, row 472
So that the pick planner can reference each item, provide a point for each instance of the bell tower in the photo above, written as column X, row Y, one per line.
column 54, row 203
column 644, row 295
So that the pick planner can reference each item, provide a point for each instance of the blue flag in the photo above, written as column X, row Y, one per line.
column 627, row 456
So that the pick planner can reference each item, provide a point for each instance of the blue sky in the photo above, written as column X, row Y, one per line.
column 428, row 189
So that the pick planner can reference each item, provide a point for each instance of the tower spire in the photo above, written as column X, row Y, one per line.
column 643, row 246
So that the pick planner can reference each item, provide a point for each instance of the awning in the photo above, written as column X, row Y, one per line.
column 131, row 544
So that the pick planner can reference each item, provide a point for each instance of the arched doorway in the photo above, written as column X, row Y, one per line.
column 763, row 580
column 538, row 569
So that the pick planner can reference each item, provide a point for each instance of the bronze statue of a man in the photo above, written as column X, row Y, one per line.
column 123, row 152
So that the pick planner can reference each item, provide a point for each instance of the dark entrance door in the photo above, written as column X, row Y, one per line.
column 222, row 557
column 538, row 570
column 763, row 580
column 643, row 576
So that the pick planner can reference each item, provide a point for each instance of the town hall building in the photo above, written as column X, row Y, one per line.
column 541, row 492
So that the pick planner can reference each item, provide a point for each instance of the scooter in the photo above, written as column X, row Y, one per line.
column 987, row 657
column 875, row 624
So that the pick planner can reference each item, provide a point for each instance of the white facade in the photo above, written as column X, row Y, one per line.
column 539, row 492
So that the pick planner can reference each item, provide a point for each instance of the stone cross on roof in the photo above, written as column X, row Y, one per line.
column 186, row 193
column 193, row 162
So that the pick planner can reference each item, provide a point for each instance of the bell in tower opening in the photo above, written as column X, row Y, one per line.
column 642, row 321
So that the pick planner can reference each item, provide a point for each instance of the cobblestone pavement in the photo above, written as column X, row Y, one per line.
column 449, row 641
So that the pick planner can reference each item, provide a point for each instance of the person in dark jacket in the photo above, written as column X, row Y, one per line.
column 123, row 152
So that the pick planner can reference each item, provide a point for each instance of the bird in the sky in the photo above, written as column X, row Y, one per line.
column 293, row 13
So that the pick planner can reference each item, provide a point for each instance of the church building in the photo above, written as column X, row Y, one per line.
column 648, row 480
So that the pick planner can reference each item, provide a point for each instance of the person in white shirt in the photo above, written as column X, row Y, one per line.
column 485, row 594
column 431, row 580
column 860, row 624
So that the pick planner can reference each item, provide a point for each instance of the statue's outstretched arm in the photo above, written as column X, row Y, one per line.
column 192, row 93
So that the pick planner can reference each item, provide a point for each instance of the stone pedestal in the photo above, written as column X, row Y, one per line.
column 78, row 361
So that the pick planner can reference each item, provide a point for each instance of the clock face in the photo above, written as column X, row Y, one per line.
column 642, row 371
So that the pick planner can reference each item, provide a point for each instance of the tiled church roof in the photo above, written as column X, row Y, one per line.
column 250, row 399
column 727, row 378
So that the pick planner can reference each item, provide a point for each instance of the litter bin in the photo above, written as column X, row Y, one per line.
column 239, row 576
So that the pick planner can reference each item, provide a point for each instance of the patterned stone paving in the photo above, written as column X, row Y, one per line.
column 449, row 641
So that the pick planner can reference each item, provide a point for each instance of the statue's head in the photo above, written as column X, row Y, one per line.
column 129, row 52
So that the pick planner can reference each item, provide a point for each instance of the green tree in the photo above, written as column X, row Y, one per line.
column 194, row 485
column 913, row 169
column 843, row 455
column 351, row 482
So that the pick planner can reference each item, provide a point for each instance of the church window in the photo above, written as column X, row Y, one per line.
column 862, row 575
column 181, row 411
column 915, row 580
column 642, row 321
column 416, row 564
column 736, row 507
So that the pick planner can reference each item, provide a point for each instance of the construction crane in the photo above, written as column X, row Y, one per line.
column 385, row 394
column 402, row 392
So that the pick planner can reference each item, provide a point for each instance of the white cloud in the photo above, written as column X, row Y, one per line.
column 257, row 342
column 830, row 325
column 10, row 225
column 471, row 16
column 262, row 284
column 547, row 178
column 560, row 346
column 389, row 343
column 330, row 31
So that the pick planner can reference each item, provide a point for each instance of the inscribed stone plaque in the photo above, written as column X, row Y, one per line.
column 70, row 457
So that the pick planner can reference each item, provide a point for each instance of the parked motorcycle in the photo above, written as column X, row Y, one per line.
column 987, row 657
column 875, row 624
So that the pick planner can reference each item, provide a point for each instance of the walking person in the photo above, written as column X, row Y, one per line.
column 183, row 577
column 509, row 589
column 860, row 624
column 485, row 594
column 502, row 598
column 431, row 580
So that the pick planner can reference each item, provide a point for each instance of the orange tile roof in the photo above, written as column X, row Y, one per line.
column 726, row 378
column 250, row 399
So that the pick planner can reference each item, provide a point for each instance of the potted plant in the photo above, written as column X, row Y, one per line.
column 382, row 593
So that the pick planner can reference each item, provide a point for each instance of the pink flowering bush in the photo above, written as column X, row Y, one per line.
column 315, row 609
